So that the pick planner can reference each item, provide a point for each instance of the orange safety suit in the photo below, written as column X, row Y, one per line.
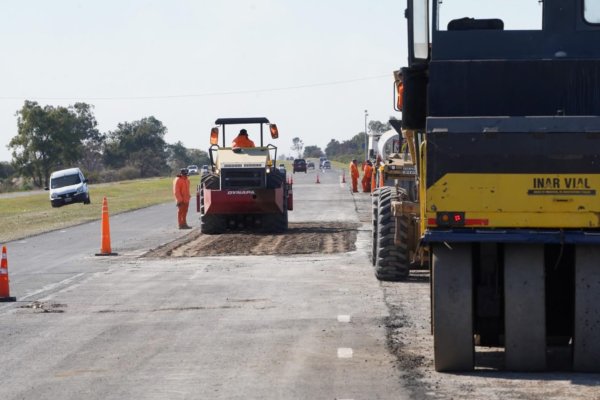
column 366, row 180
column 181, row 191
column 354, row 175
column 242, row 141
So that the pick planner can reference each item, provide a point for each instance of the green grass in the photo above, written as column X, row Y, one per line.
column 28, row 215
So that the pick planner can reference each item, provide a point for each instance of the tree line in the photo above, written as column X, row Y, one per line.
column 55, row 137
column 50, row 138
column 347, row 150
column 342, row 151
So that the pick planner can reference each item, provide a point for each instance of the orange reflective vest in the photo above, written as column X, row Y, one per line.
column 353, row 171
column 368, row 172
column 181, row 189
column 242, row 141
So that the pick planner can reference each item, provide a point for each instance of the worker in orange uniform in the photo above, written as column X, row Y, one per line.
column 181, row 191
column 242, row 140
column 368, row 175
column 354, row 175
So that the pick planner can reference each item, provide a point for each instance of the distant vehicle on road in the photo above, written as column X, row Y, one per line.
column 204, row 169
column 192, row 169
column 282, row 168
column 326, row 164
column 299, row 165
column 68, row 186
column 310, row 165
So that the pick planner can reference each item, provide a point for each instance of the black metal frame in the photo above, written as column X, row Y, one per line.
column 239, row 121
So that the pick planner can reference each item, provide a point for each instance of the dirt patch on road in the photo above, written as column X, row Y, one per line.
column 300, row 238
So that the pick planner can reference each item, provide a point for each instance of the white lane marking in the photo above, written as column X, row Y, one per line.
column 22, row 242
column 343, row 318
column 344, row 352
column 52, row 286
column 196, row 275
column 63, row 231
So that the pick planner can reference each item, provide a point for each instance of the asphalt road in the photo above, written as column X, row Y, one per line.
column 252, row 327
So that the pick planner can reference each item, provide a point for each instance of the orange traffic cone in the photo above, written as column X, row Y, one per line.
column 344, row 177
column 105, row 249
column 4, row 281
column 318, row 181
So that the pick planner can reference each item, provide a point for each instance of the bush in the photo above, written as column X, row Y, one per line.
column 108, row 175
column 5, row 186
column 26, row 186
column 128, row 173
column 93, row 177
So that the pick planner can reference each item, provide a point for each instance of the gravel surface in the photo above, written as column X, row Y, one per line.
column 300, row 238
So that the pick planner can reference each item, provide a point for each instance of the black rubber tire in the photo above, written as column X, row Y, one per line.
column 276, row 223
column 374, row 208
column 452, row 304
column 285, row 208
column 87, row 200
column 210, row 224
column 385, row 193
column 391, row 260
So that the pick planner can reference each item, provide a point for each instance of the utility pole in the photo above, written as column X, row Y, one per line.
column 366, row 137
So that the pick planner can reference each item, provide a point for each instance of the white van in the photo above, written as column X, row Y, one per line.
column 68, row 186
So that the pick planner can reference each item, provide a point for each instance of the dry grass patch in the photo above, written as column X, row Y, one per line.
column 29, row 215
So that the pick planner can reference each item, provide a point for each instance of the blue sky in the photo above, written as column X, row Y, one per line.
column 177, row 59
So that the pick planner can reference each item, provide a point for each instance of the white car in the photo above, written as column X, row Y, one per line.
column 68, row 186
column 192, row 169
column 204, row 170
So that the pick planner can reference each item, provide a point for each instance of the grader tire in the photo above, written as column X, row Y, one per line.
column 391, row 260
column 374, row 207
